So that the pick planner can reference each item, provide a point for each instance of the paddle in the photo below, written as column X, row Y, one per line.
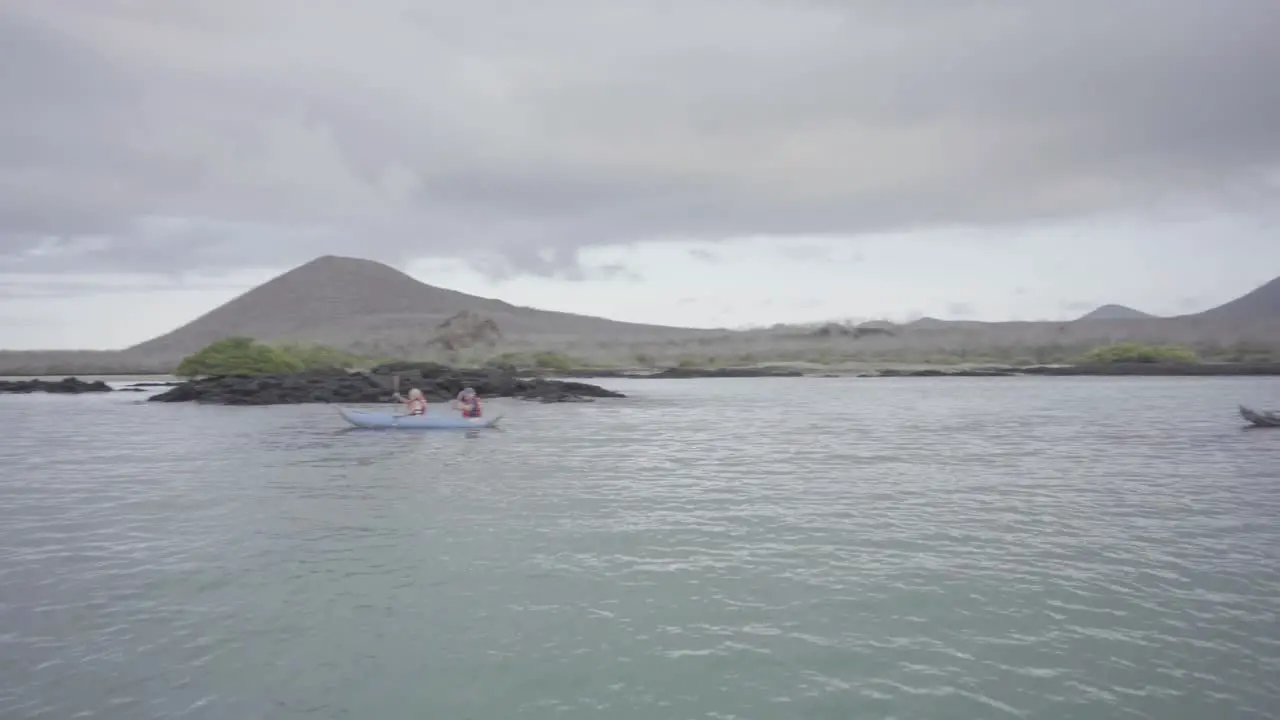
column 395, row 389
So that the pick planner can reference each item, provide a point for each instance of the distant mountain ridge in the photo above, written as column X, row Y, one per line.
column 357, row 304
column 377, row 311
column 1114, row 312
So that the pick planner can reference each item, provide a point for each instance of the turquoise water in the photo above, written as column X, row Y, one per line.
column 769, row 549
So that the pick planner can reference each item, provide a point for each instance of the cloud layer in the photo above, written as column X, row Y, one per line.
column 167, row 136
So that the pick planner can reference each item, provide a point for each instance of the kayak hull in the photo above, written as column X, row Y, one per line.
column 1261, row 419
column 388, row 421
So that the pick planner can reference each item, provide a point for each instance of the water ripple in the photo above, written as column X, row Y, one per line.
column 995, row 548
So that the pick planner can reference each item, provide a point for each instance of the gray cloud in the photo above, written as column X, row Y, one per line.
column 215, row 134
column 960, row 309
column 63, row 285
column 69, row 289
column 806, row 251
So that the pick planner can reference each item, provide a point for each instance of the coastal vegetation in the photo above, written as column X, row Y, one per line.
column 542, row 360
column 239, row 355
column 246, row 356
column 1129, row 352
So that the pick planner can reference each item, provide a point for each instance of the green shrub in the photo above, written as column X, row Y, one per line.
column 508, row 360
column 1050, row 354
column 314, row 357
column 553, row 361
column 1242, row 353
column 1136, row 353
column 237, row 356
column 819, row 358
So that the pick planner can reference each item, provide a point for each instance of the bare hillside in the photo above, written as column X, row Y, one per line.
column 1260, row 304
column 352, row 303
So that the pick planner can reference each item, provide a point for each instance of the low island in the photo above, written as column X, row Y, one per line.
column 241, row 371
column 437, row 382
column 65, row 386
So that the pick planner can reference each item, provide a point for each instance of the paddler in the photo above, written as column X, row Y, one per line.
column 469, row 403
column 416, row 404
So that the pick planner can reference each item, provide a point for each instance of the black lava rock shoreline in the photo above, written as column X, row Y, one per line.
column 436, row 382
column 440, row 383
column 1100, row 370
column 65, row 386
column 1158, row 369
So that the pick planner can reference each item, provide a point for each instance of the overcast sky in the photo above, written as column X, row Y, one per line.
column 700, row 162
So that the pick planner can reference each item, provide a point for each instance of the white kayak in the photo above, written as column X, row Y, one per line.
column 364, row 419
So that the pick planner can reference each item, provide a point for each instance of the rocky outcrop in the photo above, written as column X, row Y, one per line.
column 65, row 386
column 437, row 382
column 1099, row 369
column 755, row 372
column 865, row 330
column 833, row 330
column 872, row 331
column 939, row 372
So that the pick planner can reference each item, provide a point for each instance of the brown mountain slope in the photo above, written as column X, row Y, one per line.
column 1262, row 303
column 343, row 302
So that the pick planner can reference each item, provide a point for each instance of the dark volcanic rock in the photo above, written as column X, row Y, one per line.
column 68, row 385
column 1158, row 369
column 589, row 373
column 1100, row 369
column 759, row 372
column 938, row 372
column 437, row 382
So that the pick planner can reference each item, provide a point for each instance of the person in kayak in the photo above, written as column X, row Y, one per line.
column 415, row 404
column 469, row 403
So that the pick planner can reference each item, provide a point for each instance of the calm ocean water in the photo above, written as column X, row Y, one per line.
column 756, row 549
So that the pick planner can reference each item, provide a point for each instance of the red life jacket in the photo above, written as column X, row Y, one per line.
column 471, row 408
